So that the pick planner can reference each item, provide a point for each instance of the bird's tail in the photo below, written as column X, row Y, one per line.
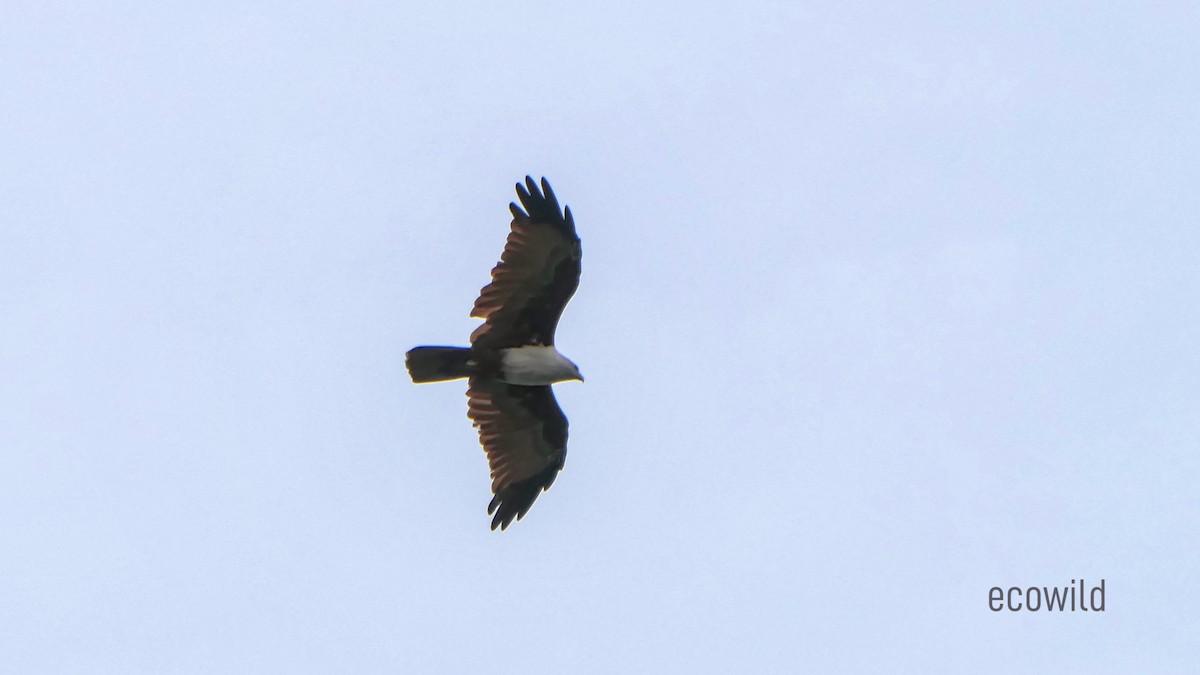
column 437, row 364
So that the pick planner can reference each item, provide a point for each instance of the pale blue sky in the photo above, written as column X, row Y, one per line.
column 882, row 305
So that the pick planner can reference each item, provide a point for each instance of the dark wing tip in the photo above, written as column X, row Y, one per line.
column 541, row 205
column 548, row 191
column 506, row 510
column 523, row 193
column 513, row 501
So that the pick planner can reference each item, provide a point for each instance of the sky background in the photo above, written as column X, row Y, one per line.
column 883, row 304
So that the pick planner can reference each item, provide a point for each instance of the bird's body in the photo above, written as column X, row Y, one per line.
column 534, row 365
column 512, row 360
column 530, row 365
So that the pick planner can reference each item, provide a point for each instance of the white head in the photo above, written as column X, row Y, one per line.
column 575, row 374
column 537, row 365
column 563, row 369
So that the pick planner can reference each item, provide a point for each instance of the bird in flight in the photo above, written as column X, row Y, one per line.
column 512, row 362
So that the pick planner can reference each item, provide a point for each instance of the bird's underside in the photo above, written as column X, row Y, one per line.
column 512, row 361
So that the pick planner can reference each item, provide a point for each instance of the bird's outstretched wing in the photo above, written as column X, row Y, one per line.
column 537, row 274
column 524, row 433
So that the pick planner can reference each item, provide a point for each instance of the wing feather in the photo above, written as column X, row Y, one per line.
column 524, row 433
column 537, row 274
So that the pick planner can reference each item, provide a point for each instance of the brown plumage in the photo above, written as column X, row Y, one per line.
column 524, row 433
column 537, row 274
